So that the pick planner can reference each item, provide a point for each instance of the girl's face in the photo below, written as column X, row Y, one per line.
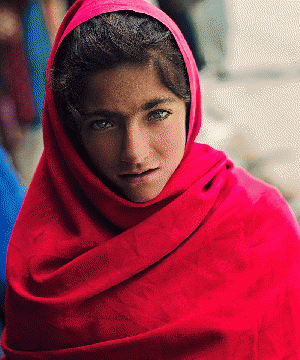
column 133, row 129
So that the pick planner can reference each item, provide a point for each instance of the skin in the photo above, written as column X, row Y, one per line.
column 132, row 123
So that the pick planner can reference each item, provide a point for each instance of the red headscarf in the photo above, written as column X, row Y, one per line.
column 207, row 270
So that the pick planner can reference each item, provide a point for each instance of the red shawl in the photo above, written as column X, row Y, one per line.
column 207, row 270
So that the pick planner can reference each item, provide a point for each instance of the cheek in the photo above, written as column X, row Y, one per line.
column 173, row 140
column 102, row 151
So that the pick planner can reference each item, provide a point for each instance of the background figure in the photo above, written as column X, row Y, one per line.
column 11, row 197
column 17, row 109
column 14, row 67
column 38, row 47
column 26, row 31
column 211, row 23
column 53, row 13
column 178, row 11
column 17, row 112
column 26, row 28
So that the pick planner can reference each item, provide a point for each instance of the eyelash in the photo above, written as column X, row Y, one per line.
column 151, row 117
column 93, row 123
column 155, row 112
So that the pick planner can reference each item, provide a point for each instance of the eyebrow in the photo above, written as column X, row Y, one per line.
column 146, row 106
column 153, row 103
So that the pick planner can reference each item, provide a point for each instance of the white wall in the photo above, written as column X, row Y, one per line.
column 264, row 33
column 259, row 33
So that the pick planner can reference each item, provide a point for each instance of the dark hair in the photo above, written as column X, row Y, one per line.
column 106, row 41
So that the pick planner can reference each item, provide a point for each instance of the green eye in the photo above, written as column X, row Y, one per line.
column 159, row 115
column 100, row 125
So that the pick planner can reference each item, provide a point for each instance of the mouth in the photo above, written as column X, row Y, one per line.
column 138, row 177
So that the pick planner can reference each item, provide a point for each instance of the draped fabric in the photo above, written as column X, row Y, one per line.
column 209, row 269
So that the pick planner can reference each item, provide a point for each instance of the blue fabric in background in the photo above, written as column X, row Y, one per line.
column 11, row 197
column 38, row 46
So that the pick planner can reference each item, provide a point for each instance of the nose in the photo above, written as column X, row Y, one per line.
column 135, row 145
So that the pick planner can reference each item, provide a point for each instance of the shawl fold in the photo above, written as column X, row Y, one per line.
column 209, row 269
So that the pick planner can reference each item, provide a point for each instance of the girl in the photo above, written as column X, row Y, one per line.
column 135, row 242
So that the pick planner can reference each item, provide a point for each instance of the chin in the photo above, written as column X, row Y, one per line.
column 141, row 198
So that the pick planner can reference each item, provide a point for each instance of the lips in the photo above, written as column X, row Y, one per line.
column 138, row 176
column 135, row 173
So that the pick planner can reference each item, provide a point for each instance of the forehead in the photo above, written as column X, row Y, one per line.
column 124, row 87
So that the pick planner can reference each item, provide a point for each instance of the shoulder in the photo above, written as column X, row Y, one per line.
column 257, row 193
column 261, row 207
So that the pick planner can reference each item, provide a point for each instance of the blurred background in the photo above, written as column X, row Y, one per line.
column 248, row 56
